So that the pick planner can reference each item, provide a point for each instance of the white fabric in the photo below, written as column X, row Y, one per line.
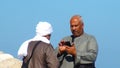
column 42, row 29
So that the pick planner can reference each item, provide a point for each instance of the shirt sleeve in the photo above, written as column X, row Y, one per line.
column 90, row 54
column 51, row 58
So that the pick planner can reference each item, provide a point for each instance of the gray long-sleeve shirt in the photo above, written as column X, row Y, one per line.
column 86, row 51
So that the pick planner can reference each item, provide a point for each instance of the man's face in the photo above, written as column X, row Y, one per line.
column 48, row 36
column 76, row 27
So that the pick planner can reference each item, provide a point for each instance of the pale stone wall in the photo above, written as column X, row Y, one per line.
column 8, row 61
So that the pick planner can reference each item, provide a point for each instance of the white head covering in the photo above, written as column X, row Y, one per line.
column 42, row 29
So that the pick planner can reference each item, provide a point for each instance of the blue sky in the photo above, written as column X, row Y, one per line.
column 18, row 19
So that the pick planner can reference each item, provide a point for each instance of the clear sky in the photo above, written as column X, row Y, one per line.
column 18, row 19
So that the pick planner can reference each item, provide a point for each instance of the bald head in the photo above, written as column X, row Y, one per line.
column 76, row 18
column 76, row 25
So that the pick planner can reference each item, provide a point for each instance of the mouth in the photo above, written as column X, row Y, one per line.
column 74, row 32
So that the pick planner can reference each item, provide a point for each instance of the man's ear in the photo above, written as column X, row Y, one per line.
column 82, row 25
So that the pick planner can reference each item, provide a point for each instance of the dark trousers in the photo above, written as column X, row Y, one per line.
column 92, row 65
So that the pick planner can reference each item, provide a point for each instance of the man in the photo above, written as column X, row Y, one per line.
column 43, row 55
column 81, row 49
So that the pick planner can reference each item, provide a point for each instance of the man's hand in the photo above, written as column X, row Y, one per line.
column 71, row 50
column 62, row 48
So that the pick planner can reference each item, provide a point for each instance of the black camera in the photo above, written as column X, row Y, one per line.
column 67, row 43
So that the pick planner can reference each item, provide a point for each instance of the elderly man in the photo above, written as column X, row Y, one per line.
column 78, row 50
column 43, row 55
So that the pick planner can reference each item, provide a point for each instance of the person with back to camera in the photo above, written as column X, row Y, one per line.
column 43, row 55
column 78, row 50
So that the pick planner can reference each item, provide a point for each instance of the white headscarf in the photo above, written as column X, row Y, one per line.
column 42, row 29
